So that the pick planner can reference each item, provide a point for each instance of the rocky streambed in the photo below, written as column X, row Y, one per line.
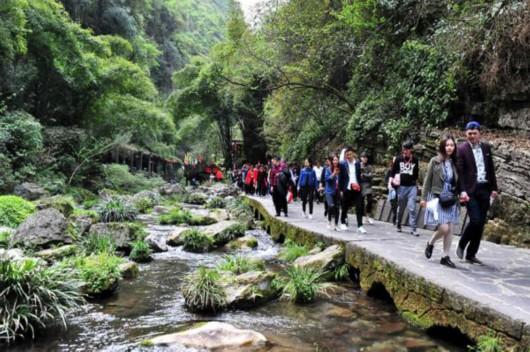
column 148, row 313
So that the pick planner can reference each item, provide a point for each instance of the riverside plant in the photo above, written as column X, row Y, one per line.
column 239, row 265
column 230, row 233
column 302, row 284
column 216, row 203
column 141, row 252
column 292, row 251
column 487, row 343
column 98, row 243
column 99, row 272
column 202, row 291
column 196, row 241
column 116, row 209
column 34, row 296
column 176, row 216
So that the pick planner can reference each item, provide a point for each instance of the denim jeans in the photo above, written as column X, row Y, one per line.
column 407, row 199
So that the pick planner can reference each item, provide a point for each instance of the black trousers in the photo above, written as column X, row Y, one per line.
column 307, row 194
column 368, row 202
column 280, row 201
column 351, row 198
column 477, row 210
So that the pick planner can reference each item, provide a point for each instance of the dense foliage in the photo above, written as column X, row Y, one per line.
column 315, row 74
column 14, row 210
column 202, row 291
column 97, row 72
column 33, row 296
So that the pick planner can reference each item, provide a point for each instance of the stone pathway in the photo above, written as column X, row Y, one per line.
column 502, row 284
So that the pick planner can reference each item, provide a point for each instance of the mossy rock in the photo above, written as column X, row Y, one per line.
column 196, row 241
column 57, row 253
column 197, row 220
column 65, row 204
column 249, row 242
column 129, row 270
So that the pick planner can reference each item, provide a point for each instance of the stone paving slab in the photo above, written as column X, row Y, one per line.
column 502, row 284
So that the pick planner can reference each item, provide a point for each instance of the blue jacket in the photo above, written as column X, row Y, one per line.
column 331, row 182
column 308, row 177
column 344, row 174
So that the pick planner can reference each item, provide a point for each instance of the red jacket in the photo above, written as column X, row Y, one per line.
column 250, row 177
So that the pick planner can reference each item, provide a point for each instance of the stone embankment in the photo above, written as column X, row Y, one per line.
column 493, row 299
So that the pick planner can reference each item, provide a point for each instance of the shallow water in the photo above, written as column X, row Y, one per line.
column 150, row 305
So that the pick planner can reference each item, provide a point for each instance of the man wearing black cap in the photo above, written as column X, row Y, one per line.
column 478, row 181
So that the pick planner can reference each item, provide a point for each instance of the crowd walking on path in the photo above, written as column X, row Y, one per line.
column 459, row 175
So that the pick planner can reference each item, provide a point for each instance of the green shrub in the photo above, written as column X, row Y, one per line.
column 240, row 208
column 5, row 238
column 78, row 212
column 215, row 203
column 196, row 241
column 98, row 243
column 141, row 252
column 116, row 210
column 292, row 250
column 239, row 265
column 176, row 216
column 144, row 205
column 194, row 198
column 342, row 272
column 487, row 343
column 202, row 291
column 119, row 178
column 230, row 233
column 20, row 146
column 14, row 210
column 302, row 284
column 81, row 195
column 138, row 231
column 99, row 272
column 33, row 296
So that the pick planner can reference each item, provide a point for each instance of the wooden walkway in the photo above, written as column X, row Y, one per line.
column 498, row 290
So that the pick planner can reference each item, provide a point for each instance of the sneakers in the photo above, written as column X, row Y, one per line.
column 474, row 260
column 343, row 227
column 370, row 221
column 447, row 262
column 330, row 226
column 414, row 233
column 310, row 216
column 305, row 215
column 428, row 250
column 361, row 229
column 399, row 228
column 459, row 252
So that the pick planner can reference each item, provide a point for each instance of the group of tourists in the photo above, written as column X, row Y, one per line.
column 458, row 175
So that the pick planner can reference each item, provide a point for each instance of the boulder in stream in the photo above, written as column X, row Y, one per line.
column 248, row 289
column 212, row 336
column 129, row 270
column 175, row 238
column 327, row 260
column 157, row 242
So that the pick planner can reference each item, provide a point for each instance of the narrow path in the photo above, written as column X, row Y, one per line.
column 502, row 284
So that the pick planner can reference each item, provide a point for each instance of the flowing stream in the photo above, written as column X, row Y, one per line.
column 152, row 304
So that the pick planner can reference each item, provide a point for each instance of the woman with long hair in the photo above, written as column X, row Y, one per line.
column 332, row 191
column 439, row 196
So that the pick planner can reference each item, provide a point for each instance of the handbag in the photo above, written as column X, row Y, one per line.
column 447, row 197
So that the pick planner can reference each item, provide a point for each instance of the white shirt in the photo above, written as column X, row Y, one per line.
column 479, row 162
column 318, row 172
column 351, row 173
